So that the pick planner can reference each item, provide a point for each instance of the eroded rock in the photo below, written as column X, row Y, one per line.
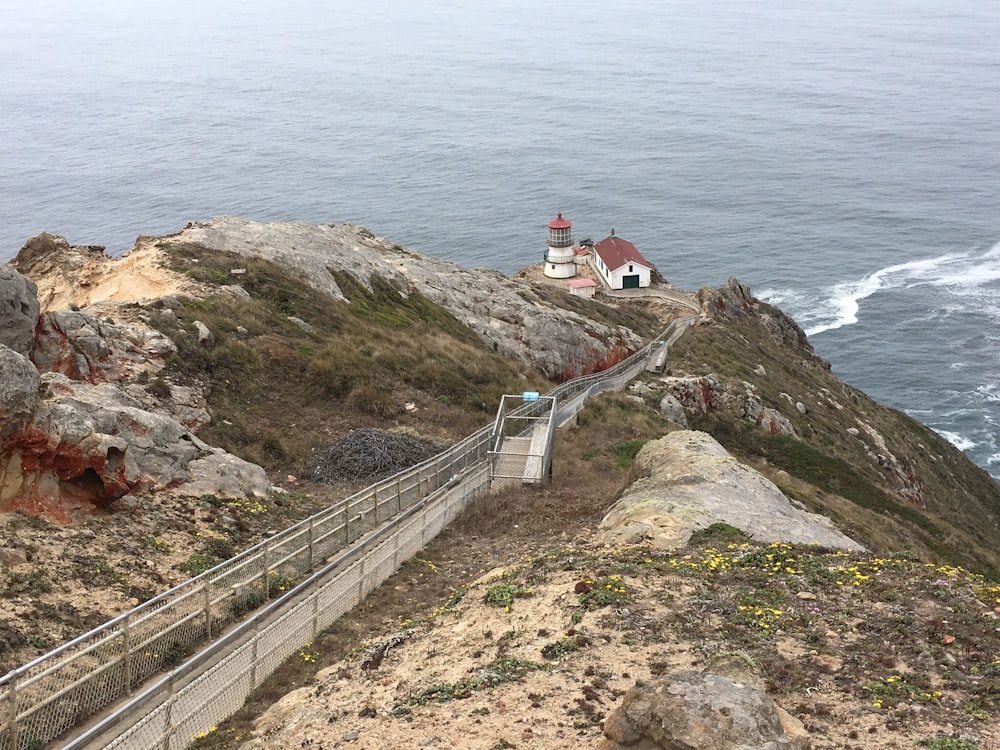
column 83, row 347
column 694, row 482
column 18, row 310
column 18, row 391
column 706, row 711
column 89, row 445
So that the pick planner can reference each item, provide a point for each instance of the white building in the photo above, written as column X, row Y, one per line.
column 620, row 265
column 559, row 259
column 582, row 287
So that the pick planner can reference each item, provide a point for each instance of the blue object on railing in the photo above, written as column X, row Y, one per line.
column 530, row 395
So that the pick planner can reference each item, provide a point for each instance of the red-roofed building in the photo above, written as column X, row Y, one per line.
column 582, row 287
column 620, row 265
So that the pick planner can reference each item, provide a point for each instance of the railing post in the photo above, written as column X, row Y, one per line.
column 347, row 523
column 12, row 710
column 399, row 495
column 168, row 724
column 127, row 644
column 267, row 568
column 208, row 609
column 315, row 628
column 312, row 558
column 253, row 652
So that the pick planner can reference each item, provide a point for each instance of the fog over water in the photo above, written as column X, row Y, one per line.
column 843, row 160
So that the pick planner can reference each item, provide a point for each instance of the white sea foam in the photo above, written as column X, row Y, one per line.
column 960, row 274
column 962, row 443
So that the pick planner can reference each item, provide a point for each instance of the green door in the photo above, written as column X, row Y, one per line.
column 630, row 282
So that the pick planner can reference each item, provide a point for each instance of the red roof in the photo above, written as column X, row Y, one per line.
column 560, row 223
column 616, row 252
column 581, row 283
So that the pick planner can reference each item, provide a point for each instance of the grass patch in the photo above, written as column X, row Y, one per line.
column 625, row 452
column 504, row 594
column 496, row 673
column 277, row 390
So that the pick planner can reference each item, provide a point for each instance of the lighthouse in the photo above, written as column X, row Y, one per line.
column 559, row 260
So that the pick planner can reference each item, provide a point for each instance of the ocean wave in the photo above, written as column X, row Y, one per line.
column 960, row 442
column 961, row 274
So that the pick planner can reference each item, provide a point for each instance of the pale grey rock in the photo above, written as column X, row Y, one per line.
column 186, row 404
column 84, row 347
column 694, row 482
column 801, row 408
column 18, row 310
column 510, row 316
column 853, row 431
column 225, row 475
column 692, row 711
column 205, row 337
column 235, row 290
column 759, row 370
column 673, row 410
column 18, row 391
column 301, row 324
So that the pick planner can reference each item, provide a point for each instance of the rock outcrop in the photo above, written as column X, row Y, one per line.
column 18, row 311
column 694, row 482
column 78, row 430
column 83, row 275
column 83, row 347
column 18, row 391
column 510, row 316
column 701, row 711
column 735, row 301
column 89, row 445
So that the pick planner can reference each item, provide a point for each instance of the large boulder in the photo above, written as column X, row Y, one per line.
column 18, row 310
column 694, row 482
column 90, row 445
column 18, row 391
column 701, row 711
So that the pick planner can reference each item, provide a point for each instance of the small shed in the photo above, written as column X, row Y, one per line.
column 620, row 265
column 582, row 287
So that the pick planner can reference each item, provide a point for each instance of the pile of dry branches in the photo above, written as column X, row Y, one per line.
column 367, row 453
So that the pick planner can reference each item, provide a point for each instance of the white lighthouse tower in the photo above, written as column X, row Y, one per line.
column 559, row 260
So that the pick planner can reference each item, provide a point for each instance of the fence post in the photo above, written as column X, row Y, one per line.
column 127, row 643
column 253, row 652
column 315, row 628
column 399, row 494
column 208, row 609
column 12, row 710
column 267, row 567
column 312, row 559
column 347, row 523
column 168, row 724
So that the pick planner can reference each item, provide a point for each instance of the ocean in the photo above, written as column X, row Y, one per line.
column 842, row 158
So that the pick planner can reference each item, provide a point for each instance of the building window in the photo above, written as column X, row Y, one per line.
column 630, row 268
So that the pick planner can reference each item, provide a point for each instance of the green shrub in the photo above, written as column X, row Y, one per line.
column 625, row 452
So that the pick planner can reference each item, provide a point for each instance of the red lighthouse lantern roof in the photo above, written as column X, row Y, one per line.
column 560, row 223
